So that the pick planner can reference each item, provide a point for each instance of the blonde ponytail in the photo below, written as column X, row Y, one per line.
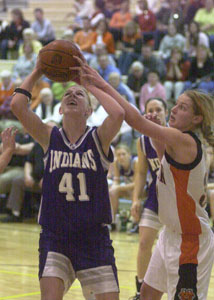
column 203, row 104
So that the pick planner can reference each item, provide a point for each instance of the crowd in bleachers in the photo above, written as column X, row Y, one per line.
column 164, row 48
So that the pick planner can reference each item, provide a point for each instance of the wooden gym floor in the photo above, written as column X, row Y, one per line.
column 19, row 260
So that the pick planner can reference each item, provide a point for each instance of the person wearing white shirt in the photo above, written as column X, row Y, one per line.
column 43, row 27
column 48, row 109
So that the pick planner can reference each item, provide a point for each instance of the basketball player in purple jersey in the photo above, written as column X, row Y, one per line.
column 149, row 224
column 75, row 207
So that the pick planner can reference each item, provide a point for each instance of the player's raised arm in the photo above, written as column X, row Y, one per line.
column 19, row 106
column 133, row 117
column 111, row 125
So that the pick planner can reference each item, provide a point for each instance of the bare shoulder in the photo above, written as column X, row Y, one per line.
column 46, row 141
column 185, row 150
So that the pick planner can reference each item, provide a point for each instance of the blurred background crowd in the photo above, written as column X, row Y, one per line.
column 144, row 49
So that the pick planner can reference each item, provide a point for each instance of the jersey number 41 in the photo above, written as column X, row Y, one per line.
column 66, row 186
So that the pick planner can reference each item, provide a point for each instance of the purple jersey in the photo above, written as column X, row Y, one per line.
column 154, row 165
column 75, row 190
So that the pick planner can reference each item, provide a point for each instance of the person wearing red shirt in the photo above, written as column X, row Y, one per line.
column 146, row 20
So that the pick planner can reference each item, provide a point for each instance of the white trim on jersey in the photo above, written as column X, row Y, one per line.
column 104, row 160
column 142, row 142
column 40, row 208
column 74, row 146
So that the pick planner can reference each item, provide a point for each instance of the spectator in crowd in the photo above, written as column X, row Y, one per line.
column 153, row 5
column 190, row 9
column 136, row 78
column 24, row 145
column 170, row 40
column 125, row 166
column 100, row 10
column 115, row 81
column 99, row 50
column 112, row 6
column 201, row 71
column 152, row 89
column 105, row 68
column 7, row 118
column 119, row 20
column 84, row 38
column 39, row 85
column 101, row 35
column 29, row 36
column 59, row 89
column 6, row 85
column 152, row 61
column 31, row 181
column 80, row 9
column 26, row 63
column 13, row 33
column 170, row 12
column 130, row 46
column 98, row 114
column 42, row 27
column 3, row 26
column 146, row 20
column 177, row 73
column 48, row 109
column 205, row 17
column 68, row 35
column 194, row 38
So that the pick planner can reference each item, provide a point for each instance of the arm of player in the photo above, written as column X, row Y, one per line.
column 175, row 140
column 111, row 125
column 8, row 147
column 177, row 143
column 139, row 183
column 23, row 149
column 31, row 122
column 28, row 169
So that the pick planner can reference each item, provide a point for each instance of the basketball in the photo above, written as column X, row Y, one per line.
column 56, row 58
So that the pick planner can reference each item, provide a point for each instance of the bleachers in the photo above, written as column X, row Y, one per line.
column 56, row 12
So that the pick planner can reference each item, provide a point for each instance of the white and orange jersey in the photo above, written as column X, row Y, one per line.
column 181, row 190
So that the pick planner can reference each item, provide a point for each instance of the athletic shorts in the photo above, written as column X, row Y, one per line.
column 185, row 281
column 90, row 260
column 150, row 219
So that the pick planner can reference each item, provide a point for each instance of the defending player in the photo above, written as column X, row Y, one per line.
column 182, row 261
column 149, row 224
column 75, row 206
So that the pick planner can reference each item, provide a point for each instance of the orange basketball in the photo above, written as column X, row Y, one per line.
column 56, row 58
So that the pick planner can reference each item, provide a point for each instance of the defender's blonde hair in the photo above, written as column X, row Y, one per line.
column 203, row 104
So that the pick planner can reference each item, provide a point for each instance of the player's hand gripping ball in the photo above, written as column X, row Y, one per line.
column 57, row 57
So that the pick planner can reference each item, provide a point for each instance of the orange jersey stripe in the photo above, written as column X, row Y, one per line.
column 190, row 224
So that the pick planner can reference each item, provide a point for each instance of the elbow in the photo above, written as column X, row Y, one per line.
column 13, row 106
column 121, row 115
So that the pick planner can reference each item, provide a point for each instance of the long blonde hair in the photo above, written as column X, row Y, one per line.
column 203, row 104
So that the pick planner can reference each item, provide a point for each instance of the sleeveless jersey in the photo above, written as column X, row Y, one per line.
column 154, row 165
column 127, row 175
column 182, row 195
column 75, row 190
